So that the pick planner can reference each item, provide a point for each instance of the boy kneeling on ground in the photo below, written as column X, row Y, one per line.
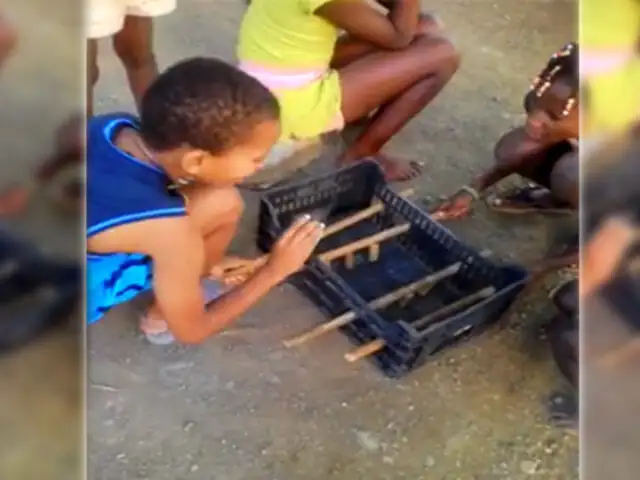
column 162, row 208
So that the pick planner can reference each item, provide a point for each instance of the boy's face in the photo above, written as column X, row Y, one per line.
column 546, row 122
column 238, row 163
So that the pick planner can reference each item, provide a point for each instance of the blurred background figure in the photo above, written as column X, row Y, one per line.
column 40, row 281
column 609, row 64
column 53, row 286
column 610, row 320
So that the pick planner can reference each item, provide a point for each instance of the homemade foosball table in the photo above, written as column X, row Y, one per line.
column 399, row 285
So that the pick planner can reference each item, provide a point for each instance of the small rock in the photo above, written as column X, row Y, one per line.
column 430, row 461
column 194, row 468
column 387, row 460
column 121, row 456
column 367, row 440
column 188, row 426
column 529, row 467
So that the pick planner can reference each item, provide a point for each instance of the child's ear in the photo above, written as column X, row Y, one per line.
column 192, row 162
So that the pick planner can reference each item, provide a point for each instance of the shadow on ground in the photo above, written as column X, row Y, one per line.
column 241, row 407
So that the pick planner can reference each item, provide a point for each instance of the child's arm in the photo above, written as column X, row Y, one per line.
column 363, row 21
column 8, row 39
column 178, row 264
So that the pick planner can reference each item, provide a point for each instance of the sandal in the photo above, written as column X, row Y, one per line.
column 529, row 199
column 156, row 330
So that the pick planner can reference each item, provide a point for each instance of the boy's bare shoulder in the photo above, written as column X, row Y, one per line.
column 153, row 237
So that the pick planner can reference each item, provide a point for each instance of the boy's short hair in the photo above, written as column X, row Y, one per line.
column 204, row 103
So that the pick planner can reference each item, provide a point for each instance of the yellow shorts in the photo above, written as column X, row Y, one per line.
column 312, row 110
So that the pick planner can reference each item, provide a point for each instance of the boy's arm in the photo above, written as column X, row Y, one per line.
column 178, row 291
column 178, row 264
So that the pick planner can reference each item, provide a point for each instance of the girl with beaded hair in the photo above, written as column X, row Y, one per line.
column 543, row 150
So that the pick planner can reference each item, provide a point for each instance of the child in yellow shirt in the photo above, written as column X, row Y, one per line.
column 610, row 65
column 393, row 65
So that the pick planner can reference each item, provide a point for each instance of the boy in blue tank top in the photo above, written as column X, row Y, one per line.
column 162, row 206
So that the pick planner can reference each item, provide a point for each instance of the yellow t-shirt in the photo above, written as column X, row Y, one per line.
column 611, row 28
column 285, row 35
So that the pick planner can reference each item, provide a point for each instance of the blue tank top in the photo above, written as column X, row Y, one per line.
column 120, row 190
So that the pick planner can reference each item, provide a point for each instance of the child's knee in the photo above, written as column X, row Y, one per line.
column 507, row 149
column 212, row 207
column 8, row 39
column 442, row 49
column 564, row 180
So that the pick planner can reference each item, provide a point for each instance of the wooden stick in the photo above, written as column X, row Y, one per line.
column 452, row 307
column 377, row 345
column 365, row 350
column 374, row 252
column 346, row 222
column 364, row 242
column 376, row 304
column 350, row 260
column 328, row 231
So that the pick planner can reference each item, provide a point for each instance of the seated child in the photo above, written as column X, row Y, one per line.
column 69, row 148
column 543, row 151
column 384, row 69
column 162, row 207
column 53, row 287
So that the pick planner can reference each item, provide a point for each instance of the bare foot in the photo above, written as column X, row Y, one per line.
column 394, row 170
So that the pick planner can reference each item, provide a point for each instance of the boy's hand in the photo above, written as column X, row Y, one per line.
column 604, row 253
column 294, row 247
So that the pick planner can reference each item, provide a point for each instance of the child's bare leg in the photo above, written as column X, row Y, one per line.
column 216, row 213
column 134, row 46
column 8, row 40
column 401, row 84
column 93, row 73
column 565, row 180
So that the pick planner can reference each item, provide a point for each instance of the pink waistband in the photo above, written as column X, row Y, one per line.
column 602, row 62
column 281, row 79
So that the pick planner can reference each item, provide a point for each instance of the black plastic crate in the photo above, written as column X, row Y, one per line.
column 427, row 247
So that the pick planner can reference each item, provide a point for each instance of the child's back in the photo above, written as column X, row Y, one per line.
column 333, row 62
column 121, row 190
column 161, row 203
column 289, row 49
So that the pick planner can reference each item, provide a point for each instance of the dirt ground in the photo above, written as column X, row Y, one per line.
column 242, row 407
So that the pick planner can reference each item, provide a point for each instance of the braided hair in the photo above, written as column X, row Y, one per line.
column 562, row 66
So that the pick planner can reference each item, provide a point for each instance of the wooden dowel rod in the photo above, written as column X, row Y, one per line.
column 364, row 242
column 328, row 231
column 452, row 307
column 377, row 345
column 376, row 304
column 365, row 350
column 359, row 216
